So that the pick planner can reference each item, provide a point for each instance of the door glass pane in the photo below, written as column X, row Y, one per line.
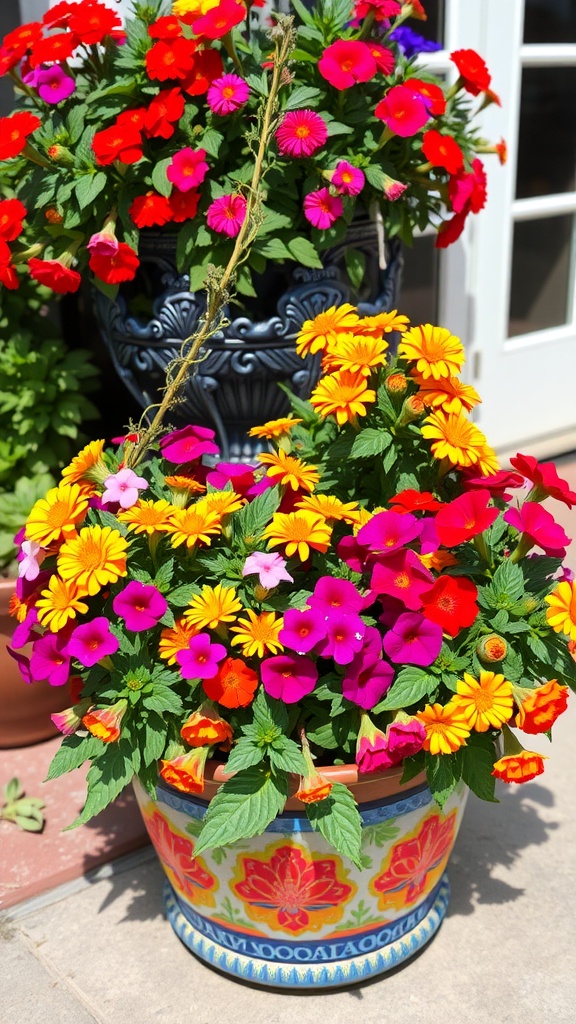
column 419, row 291
column 547, row 132
column 550, row 21
column 541, row 290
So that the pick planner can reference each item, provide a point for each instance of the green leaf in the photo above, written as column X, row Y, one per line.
column 287, row 758
column 242, row 807
column 182, row 596
column 508, row 583
column 159, row 178
column 302, row 96
column 375, row 176
column 212, row 141
column 164, row 575
column 88, row 187
column 106, row 779
column 163, row 698
column 74, row 751
column 337, row 818
column 304, row 252
column 409, row 687
column 443, row 771
column 245, row 754
column 251, row 520
column 107, row 519
column 370, row 442
column 355, row 266
column 477, row 765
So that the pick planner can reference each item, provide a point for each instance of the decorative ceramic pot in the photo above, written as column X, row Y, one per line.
column 235, row 386
column 283, row 909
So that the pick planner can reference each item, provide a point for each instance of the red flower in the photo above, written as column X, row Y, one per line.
column 541, row 707
column 166, row 108
column 14, row 131
column 442, row 151
column 234, row 685
column 411, row 861
column 114, row 269
column 54, row 48
column 473, row 71
column 59, row 15
column 12, row 213
column 168, row 27
column 135, row 117
column 119, row 142
column 150, row 210
column 450, row 231
column 54, row 275
column 467, row 191
column 520, row 767
column 538, row 527
column 464, row 517
column 403, row 110
column 497, row 483
column 219, row 20
column 451, row 603
column 346, row 62
column 381, row 9
column 8, row 276
column 177, row 853
column 21, row 39
column 415, row 501
column 432, row 95
column 8, row 60
column 544, row 477
column 384, row 57
column 184, row 205
column 92, row 21
column 207, row 66
column 173, row 59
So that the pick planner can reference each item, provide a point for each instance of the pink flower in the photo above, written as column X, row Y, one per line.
column 188, row 168
column 377, row 751
column 388, row 531
column 538, row 527
column 123, row 487
column 371, row 748
column 413, row 640
column 368, row 677
column 544, row 478
column 349, row 180
column 301, row 133
column 346, row 62
column 463, row 518
column 356, row 556
column 25, row 631
column 288, row 677
column 141, row 606
column 404, row 739
column 302, row 630
column 23, row 664
column 188, row 443
column 227, row 94
column 50, row 659
column 321, row 208
column 54, row 85
column 200, row 659
column 103, row 243
column 269, row 567
column 70, row 720
column 332, row 594
column 226, row 215
column 33, row 556
column 345, row 634
column 393, row 189
column 92, row 641
column 403, row 576
column 403, row 111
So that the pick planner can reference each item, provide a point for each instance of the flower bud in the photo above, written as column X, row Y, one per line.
column 60, row 155
column 105, row 723
column 411, row 410
column 396, row 384
column 52, row 215
column 393, row 189
column 491, row 648
column 186, row 772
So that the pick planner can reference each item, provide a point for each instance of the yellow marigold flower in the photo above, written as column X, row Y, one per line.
column 344, row 394
column 454, row 438
column 193, row 525
column 95, row 557
column 290, row 471
column 59, row 603
column 488, row 462
column 448, row 393
column 561, row 615
column 55, row 517
column 196, row 7
column 147, row 516
column 274, row 428
column 437, row 352
column 258, row 634
column 358, row 354
column 362, row 517
column 213, row 606
column 299, row 531
column 315, row 335
column 330, row 507
column 382, row 323
column 486, row 703
column 180, row 482
column 175, row 638
column 223, row 502
column 87, row 459
column 446, row 728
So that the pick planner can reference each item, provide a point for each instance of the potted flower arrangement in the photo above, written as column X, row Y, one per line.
column 134, row 154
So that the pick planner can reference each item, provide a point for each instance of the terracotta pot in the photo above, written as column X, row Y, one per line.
column 24, row 709
column 284, row 909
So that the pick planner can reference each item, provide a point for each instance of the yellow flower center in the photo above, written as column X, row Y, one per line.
column 302, row 131
column 58, row 514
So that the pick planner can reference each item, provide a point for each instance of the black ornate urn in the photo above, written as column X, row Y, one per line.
column 235, row 386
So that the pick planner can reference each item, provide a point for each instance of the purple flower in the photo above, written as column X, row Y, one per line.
column 388, row 531
column 411, row 42
column 23, row 664
column 200, row 659
column 141, row 605
column 345, row 634
column 402, row 576
column 368, row 676
column 50, row 659
column 288, row 677
column 188, row 443
column 413, row 640
column 302, row 630
column 123, row 487
column 92, row 641
column 54, row 85
column 25, row 630
column 269, row 567
column 331, row 594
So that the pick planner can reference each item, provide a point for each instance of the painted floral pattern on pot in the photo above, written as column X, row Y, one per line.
column 187, row 873
column 416, row 863
column 291, row 889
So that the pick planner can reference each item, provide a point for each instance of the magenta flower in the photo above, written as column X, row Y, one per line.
column 332, row 594
column 403, row 576
column 30, row 559
column 413, row 640
column 368, row 677
column 227, row 94
column 302, row 630
column 25, row 631
column 388, row 531
column 403, row 110
column 371, row 748
column 123, row 488
column 355, row 555
column 321, row 208
column 376, row 751
column 50, row 659
column 54, row 85
column 201, row 658
column 92, row 641
column 270, row 568
column 104, row 243
column 349, row 180
column 346, row 62
column 288, row 677
column 345, row 634
column 301, row 133
column 141, row 605
column 405, row 739
column 23, row 664
column 538, row 527
column 226, row 215
column 239, row 474
column 188, row 443
column 188, row 168
column 429, row 539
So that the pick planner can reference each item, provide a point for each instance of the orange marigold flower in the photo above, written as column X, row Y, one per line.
column 193, row 525
column 59, row 603
column 486, row 703
column 274, row 428
column 382, row 323
column 356, row 353
column 454, row 438
column 258, row 634
column 561, row 615
column 438, row 560
column 343, row 394
column 186, row 772
column 206, row 727
column 223, row 502
column 299, row 531
column 541, row 707
column 316, row 335
column 448, row 393
column 105, row 723
column 213, row 606
column 175, row 638
column 55, row 517
column 437, row 353
column 446, row 728
column 330, row 507
column 520, row 767
column 290, row 471
column 93, row 558
column 147, row 516
column 89, row 458
column 234, row 685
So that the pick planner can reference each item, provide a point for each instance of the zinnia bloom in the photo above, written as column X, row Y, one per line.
column 188, row 168
column 257, row 634
column 436, row 351
column 227, row 94
column 213, row 606
column 96, row 556
column 147, row 516
column 330, row 507
column 446, row 728
column 106, row 723
column 539, row 708
column 289, row 471
column 288, row 677
column 346, row 62
column 175, row 638
column 56, row 516
column 454, row 438
column 342, row 394
column 141, row 606
column 321, row 208
column 318, row 334
column 234, row 685
column 301, row 133
column 227, row 214
column 356, row 353
column 448, row 393
column 120, row 266
column 59, row 603
column 561, row 615
column 196, row 524
column 299, row 531
column 486, row 703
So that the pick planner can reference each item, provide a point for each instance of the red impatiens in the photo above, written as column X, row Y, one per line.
column 14, row 132
column 121, row 142
column 544, row 477
column 114, row 269
column 55, row 275
column 465, row 517
column 451, row 603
